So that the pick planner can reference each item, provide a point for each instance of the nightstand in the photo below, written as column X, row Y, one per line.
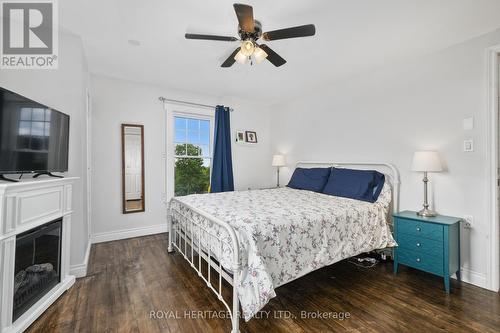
column 430, row 244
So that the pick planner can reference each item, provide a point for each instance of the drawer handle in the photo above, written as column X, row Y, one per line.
column 418, row 259
column 418, row 229
column 418, row 244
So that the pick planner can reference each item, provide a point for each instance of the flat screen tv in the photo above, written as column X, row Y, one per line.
column 33, row 137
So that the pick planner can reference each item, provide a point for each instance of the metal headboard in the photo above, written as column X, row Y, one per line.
column 389, row 170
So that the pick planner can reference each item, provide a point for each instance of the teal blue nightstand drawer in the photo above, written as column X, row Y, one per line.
column 422, row 261
column 419, row 228
column 420, row 244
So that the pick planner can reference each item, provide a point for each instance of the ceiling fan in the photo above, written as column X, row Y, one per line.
column 250, row 31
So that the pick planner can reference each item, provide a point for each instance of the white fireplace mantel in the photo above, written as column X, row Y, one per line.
column 24, row 206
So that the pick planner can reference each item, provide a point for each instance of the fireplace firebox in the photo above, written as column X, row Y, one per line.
column 37, row 265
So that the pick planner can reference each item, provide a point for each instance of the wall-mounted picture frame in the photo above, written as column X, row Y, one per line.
column 240, row 136
column 251, row 137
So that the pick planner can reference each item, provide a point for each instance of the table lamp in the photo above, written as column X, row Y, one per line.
column 426, row 161
column 278, row 162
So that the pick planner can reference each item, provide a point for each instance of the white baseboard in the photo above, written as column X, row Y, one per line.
column 128, row 233
column 473, row 277
column 80, row 270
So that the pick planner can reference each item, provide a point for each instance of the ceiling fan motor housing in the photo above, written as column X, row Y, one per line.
column 255, row 35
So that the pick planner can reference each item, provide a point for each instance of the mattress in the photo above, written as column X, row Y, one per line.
column 285, row 233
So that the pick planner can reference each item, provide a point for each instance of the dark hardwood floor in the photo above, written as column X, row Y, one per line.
column 129, row 279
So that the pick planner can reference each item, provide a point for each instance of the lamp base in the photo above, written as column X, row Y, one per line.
column 426, row 213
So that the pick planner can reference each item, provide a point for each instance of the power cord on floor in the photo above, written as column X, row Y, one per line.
column 364, row 262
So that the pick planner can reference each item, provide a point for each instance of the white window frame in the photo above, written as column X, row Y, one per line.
column 210, row 145
column 173, row 110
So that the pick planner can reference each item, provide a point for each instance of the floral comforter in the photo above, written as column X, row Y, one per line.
column 285, row 233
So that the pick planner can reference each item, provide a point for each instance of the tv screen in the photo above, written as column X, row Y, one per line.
column 33, row 137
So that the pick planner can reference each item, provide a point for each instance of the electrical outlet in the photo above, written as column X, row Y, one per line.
column 468, row 221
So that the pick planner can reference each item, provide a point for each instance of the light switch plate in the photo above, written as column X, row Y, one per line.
column 468, row 146
column 468, row 123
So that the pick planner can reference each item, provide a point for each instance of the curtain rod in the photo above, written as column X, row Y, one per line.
column 163, row 99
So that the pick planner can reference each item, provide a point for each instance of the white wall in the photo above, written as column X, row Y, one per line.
column 387, row 114
column 63, row 89
column 116, row 102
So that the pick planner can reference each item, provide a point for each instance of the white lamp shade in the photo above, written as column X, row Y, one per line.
column 279, row 160
column 247, row 47
column 426, row 161
column 259, row 55
column 240, row 58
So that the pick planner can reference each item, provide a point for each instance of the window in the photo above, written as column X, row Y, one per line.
column 192, row 155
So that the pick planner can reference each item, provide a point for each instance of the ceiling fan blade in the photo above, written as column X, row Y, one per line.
column 230, row 61
column 245, row 17
column 300, row 31
column 211, row 37
column 272, row 56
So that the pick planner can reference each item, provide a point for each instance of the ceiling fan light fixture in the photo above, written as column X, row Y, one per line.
column 247, row 47
column 240, row 58
column 259, row 55
column 249, row 32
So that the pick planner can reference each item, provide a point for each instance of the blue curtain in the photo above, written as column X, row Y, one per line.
column 222, row 164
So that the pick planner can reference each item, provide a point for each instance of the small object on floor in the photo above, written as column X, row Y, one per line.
column 366, row 262
column 371, row 260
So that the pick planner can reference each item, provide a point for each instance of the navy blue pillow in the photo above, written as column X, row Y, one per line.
column 313, row 179
column 364, row 185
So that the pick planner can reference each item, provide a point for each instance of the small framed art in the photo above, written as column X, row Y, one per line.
column 250, row 137
column 240, row 136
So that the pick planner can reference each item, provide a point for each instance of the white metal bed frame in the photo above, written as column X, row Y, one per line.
column 182, row 236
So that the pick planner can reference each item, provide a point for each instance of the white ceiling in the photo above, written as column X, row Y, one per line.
column 351, row 36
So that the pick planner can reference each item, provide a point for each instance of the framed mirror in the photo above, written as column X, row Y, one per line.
column 133, row 168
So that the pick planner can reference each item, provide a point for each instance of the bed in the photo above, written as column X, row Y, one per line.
column 281, row 234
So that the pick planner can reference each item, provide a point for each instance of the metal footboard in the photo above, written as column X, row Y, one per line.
column 190, row 237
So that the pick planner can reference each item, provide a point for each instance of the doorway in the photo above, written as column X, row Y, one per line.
column 493, row 154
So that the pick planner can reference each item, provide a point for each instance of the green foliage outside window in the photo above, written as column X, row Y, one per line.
column 191, row 175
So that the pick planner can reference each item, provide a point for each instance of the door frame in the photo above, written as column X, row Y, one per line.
column 88, row 118
column 493, row 253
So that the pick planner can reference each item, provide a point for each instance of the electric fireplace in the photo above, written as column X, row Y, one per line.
column 35, row 243
column 37, row 265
